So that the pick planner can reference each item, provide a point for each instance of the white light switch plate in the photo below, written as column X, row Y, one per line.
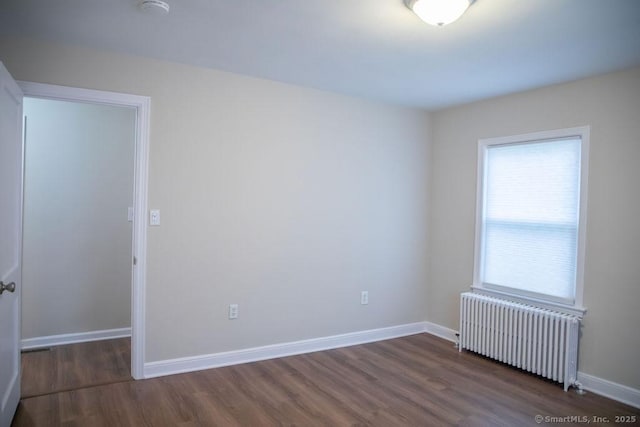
column 154, row 217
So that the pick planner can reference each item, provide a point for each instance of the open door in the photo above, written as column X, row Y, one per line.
column 11, row 166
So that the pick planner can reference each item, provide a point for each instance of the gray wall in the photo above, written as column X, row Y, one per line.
column 285, row 200
column 611, row 105
column 77, row 240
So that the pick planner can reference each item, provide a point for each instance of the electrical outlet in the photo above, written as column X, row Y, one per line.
column 233, row 311
column 364, row 297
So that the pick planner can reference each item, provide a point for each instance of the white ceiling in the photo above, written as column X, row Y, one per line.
column 375, row 49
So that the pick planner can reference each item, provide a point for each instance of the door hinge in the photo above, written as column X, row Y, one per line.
column 135, row 261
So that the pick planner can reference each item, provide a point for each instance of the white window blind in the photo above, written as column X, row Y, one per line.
column 530, row 217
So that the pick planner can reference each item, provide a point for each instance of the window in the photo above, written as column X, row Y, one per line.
column 530, row 223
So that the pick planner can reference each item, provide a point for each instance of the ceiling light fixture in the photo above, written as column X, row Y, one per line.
column 157, row 6
column 438, row 12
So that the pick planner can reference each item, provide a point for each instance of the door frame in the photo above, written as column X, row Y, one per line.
column 142, row 105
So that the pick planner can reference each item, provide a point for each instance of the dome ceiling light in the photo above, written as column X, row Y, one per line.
column 154, row 6
column 438, row 12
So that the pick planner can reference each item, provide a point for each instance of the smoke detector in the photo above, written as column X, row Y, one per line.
column 154, row 6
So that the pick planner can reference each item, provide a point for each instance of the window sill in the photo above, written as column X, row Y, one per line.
column 562, row 308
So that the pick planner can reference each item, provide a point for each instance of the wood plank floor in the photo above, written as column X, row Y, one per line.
column 75, row 366
column 419, row 380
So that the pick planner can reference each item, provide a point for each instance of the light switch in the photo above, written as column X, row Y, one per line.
column 154, row 217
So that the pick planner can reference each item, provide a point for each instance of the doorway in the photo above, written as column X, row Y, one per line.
column 79, row 215
column 77, row 244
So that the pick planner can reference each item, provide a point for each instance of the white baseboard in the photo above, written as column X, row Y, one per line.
column 53, row 340
column 208, row 361
column 441, row 331
column 615, row 391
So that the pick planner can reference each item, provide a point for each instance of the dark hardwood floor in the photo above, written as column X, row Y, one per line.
column 75, row 366
column 419, row 380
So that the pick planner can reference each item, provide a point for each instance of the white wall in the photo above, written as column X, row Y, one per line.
column 77, row 240
column 285, row 200
column 610, row 343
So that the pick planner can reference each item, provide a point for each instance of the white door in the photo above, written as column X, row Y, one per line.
column 11, row 153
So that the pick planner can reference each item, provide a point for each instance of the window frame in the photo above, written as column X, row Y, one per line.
column 576, row 306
